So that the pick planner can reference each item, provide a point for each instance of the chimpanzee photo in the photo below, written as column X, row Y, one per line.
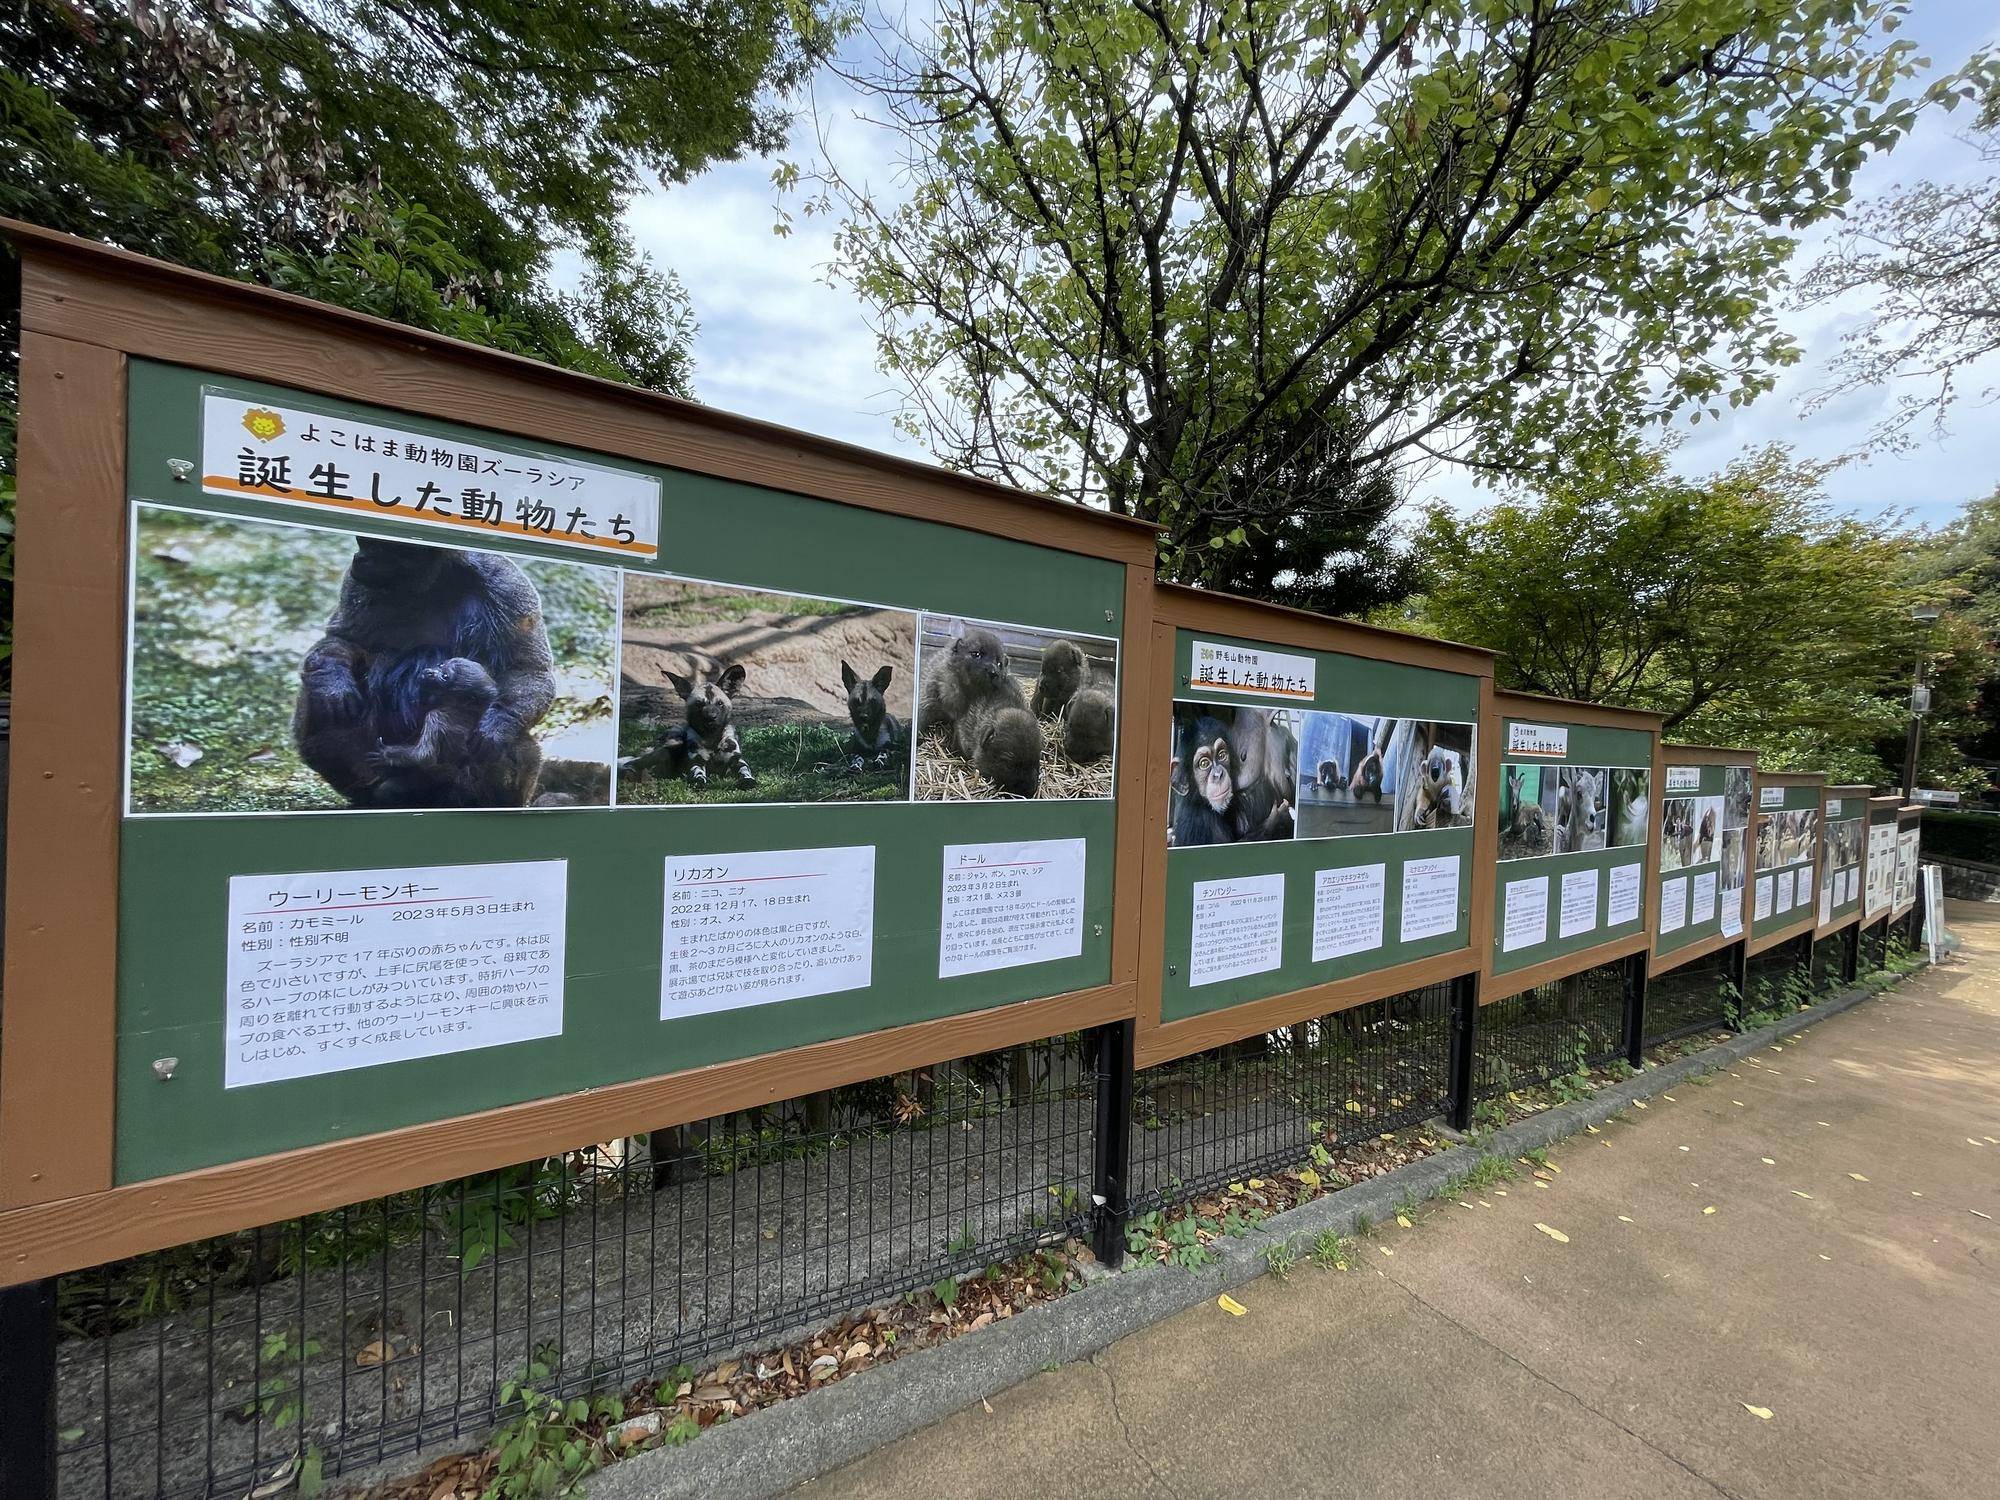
column 287, row 668
column 1233, row 768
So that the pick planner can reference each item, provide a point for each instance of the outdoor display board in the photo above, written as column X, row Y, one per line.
column 1843, row 829
column 1705, row 808
column 1319, row 794
column 1878, row 872
column 1575, row 823
column 1785, row 847
column 433, row 736
column 1909, row 835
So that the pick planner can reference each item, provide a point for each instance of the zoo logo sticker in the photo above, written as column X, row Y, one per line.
column 372, row 468
column 1537, row 739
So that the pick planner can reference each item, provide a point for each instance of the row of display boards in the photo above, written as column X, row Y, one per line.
column 424, row 760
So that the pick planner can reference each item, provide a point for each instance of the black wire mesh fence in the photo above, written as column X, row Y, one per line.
column 373, row 1331
column 1550, row 1031
column 1829, row 962
column 1695, row 997
column 1261, row 1105
column 1778, row 981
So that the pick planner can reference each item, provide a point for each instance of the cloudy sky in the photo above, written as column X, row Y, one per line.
column 778, row 342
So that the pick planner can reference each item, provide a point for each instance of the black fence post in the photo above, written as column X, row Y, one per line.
column 1464, row 1023
column 1111, row 1164
column 1850, row 953
column 1739, row 976
column 1635, row 1009
column 28, row 1391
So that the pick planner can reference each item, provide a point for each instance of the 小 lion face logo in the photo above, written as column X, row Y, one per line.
column 263, row 424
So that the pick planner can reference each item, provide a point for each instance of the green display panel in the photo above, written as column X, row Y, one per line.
column 1785, row 837
column 1576, row 804
column 1843, row 825
column 1320, row 818
column 1704, row 818
column 303, row 961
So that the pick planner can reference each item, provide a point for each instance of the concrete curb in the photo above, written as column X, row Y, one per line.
column 783, row 1446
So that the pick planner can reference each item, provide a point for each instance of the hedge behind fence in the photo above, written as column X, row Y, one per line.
column 1961, row 836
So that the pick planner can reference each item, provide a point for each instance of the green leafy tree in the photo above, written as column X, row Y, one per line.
column 1739, row 606
column 1144, row 248
column 421, row 160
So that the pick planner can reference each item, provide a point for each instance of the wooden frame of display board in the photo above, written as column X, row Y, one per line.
column 1711, row 763
column 1841, row 805
column 1339, row 677
column 1589, row 738
column 115, row 348
column 1795, row 792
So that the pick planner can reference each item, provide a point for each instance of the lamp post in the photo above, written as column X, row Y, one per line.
column 1920, row 704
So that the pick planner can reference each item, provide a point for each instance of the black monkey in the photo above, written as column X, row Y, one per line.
column 1329, row 775
column 405, row 608
column 1212, row 808
column 445, row 766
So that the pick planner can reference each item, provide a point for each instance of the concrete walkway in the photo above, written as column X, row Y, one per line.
column 1475, row 1355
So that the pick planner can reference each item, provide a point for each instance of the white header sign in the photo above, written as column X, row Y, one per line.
column 458, row 489
column 1833, row 807
column 1245, row 669
column 1683, row 778
column 1537, row 739
column 1770, row 796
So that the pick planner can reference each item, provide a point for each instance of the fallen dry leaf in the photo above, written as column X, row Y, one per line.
column 1625, row 1219
column 1403, row 1220
column 1857, row 1176
column 372, row 1353
column 1710, row 1209
column 1227, row 1303
column 1797, row 1194
column 1761, row 1413
column 1555, row 1234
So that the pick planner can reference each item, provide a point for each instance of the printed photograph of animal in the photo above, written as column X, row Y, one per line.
column 734, row 694
column 1363, row 774
column 1529, row 802
column 1233, row 767
column 1732, row 861
column 1707, row 830
column 1011, row 711
column 1677, row 823
column 1767, row 841
column 1631, row 807
column 1582, row 811
column 1736, row 797
column 280, row 668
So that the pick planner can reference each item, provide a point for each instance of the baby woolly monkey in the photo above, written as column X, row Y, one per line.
column 447, row 765
column 972, row 700
column 876, row 730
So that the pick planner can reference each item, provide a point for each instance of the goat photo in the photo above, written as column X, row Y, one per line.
column 287, row 668
column 1583, row 808
column 741, row 695
column 1529, row 801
